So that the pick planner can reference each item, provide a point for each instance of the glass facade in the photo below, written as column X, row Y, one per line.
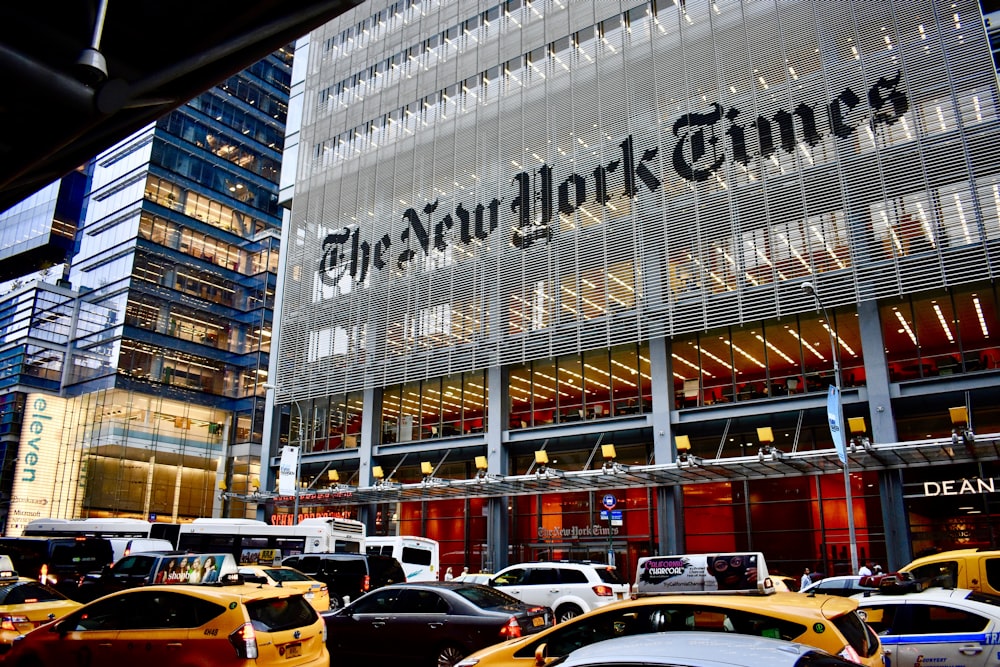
column 509, row 236
column 167, row 344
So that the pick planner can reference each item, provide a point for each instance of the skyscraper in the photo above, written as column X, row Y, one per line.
column 524, row 230
column 161, row 358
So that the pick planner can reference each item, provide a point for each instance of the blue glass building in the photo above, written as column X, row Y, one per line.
column 164, row 344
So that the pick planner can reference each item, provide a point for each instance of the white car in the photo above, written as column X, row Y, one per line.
column 568, row 588
column 844, row 586
column 936, row 626
column 699, row 649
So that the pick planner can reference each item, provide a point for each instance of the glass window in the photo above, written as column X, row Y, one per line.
column 570, row 388
column 597, row 383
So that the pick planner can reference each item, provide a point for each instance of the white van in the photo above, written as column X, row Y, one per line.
column 419, row 556
column 123, row 546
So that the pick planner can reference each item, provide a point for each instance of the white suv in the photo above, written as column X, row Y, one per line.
column 568, row 588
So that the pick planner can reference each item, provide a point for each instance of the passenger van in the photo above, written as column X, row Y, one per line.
column 419, row 556
column 60, row 562
column 975, row 569
column 123, row 546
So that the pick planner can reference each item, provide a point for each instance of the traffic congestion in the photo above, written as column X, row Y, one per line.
column 309, row 609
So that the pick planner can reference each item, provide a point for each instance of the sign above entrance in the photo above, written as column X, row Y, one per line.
column 609, row 501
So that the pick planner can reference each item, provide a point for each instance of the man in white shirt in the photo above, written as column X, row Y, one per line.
column 806, row 579
column 864, row 570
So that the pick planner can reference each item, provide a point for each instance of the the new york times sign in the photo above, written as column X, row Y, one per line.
column 705, row 142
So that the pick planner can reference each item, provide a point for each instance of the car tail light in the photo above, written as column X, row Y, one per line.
column 10, row 622
column 366, row 583
column 850, row 654
column 244, row 640
column 603, row 591
column 511, row 629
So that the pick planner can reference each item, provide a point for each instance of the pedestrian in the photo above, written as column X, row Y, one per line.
column 864, row 570
column 448, row 576
column 465, row 570
column 806, row 579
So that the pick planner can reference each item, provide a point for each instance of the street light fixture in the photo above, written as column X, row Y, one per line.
column 835, row 415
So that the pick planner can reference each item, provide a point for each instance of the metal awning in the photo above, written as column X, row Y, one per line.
column 822, row 462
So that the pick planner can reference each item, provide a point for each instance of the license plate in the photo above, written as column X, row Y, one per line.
column 309, row 596
column 621, row 596
column 538, row 620
column 293, row 650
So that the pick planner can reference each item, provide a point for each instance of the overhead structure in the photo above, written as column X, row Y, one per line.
column 81, row 76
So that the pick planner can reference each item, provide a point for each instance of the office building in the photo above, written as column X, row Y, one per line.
column 522, row 231
column 156, row 346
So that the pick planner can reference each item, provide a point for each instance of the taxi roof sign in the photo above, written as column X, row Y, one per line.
column 743, row 572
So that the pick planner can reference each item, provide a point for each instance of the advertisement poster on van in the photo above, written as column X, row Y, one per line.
column 701, row 573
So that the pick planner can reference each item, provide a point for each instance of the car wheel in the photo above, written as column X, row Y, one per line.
column 566, row 612
column 335, row 603
column 449, row 655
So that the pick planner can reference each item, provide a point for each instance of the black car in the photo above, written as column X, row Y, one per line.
column 59, row 561
column 348, row 575
column 429, row 623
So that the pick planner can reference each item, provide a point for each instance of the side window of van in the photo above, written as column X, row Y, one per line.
column 992, row 568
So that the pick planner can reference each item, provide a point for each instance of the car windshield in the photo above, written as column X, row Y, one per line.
column 487, row 598
column 857, row 633
column 21, row 592
column 284, row 613
column 285, row 575
column 986, row 598
column 609, row 575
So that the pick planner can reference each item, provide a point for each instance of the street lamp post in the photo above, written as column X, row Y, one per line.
column 810, row 289
column 298, row 465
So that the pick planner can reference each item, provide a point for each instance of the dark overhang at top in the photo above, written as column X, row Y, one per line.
column 58, row 109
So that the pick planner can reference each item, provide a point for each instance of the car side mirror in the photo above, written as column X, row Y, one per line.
column 540, row 655
column 64, row 627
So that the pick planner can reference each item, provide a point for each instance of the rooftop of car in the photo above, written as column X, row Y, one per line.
column 831, row 606
column 680, row 646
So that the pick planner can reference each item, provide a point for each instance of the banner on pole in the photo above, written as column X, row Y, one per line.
column 836, row 429
column 286, row 474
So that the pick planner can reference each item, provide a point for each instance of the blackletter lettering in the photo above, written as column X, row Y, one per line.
column 693, row 142
column 381, row 249
column 877, row 100
column 360, row 256
column 565, row 205
column 329, row 274
column 838, row 124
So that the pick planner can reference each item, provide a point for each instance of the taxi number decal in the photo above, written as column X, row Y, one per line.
column 819, row 628
column 232, row 605
column 211, row 632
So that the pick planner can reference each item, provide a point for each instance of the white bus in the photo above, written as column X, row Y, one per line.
column 252, row 541
column 420, row 556
column 125, row 535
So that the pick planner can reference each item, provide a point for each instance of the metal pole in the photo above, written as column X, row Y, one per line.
column 298, row 466
column 852, row 536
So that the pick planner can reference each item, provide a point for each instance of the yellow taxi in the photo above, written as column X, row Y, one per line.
column 222, row 624
column 25, row 604
column 742, row 601
column 316, row 592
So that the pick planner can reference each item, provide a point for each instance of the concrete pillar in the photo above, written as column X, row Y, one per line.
column 669, row 499
column 882, row 428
